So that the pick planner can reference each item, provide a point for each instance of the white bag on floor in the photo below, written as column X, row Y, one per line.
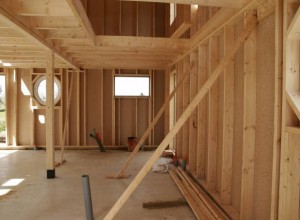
column 161, row 165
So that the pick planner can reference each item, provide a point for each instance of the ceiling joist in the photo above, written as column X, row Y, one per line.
column 33, row 35
column 214, row 3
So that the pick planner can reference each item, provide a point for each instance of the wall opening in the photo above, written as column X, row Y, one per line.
column 132, row 86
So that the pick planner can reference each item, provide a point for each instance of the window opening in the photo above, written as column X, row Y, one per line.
column 132, row 86
column 40, row 90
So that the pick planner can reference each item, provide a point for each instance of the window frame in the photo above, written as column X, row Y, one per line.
column 134, row 76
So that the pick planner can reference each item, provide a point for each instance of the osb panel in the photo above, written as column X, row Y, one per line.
column 238, row 122
column 93, row 103
column 264, row 118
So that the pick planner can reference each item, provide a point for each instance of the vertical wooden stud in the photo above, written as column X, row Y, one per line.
column 78, row 106
column 84, row 108
column 228, row 103
column 113, row 114
column 249, row 123
column 50, row 116
column 185, row 102
column 16, row 83
column 202, row 113
column 102, row 105
column 193, row 118
column 213, row 117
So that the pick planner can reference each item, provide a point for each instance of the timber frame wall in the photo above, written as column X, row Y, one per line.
column 241, row 143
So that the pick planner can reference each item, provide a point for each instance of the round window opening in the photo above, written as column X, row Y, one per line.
column 40, row 90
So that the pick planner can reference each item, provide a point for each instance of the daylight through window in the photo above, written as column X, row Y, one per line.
column 132, row 86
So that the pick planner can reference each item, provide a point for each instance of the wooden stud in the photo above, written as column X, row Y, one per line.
column 185, row 102
column 50, row 157
column 228, row 103
column 193, row 126
column 84, row 107
column 202, row 113
column 213, row 99
column 101, row 110
column 179, row 110
column 67, row 116
column 113, row 114
column 16, row 85
column 194, row 103
column 249, row 123
column 78, row 107
column 277, row 107
column 289, row 177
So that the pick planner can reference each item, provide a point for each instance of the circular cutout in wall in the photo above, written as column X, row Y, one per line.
column 40, row 90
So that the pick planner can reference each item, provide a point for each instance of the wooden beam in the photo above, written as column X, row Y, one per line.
column 50, row 157
column 36, row 37
column 181, row 30
column 82, row 19
column 142, row 42
column 194, row 103
column 293, row 98
column 293, row 32
column 216, row 3
column 227, row 124
column 42, row 8
column 249, row 123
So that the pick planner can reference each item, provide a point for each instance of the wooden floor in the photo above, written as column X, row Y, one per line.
column 35, row 197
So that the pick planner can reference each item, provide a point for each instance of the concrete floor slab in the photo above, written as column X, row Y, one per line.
column 35, row 197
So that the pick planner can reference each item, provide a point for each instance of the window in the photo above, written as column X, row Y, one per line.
column 132, row 86
column 40, row 90
column 173, row 12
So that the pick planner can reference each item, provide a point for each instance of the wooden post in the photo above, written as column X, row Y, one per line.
column 207, row 85
column 50, row 148
column 84, row 107
column 249, row 124
column 185, row 102
column 113, row 114
column 228, row 104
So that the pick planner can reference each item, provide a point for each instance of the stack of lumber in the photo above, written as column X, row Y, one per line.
column 201, row 204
